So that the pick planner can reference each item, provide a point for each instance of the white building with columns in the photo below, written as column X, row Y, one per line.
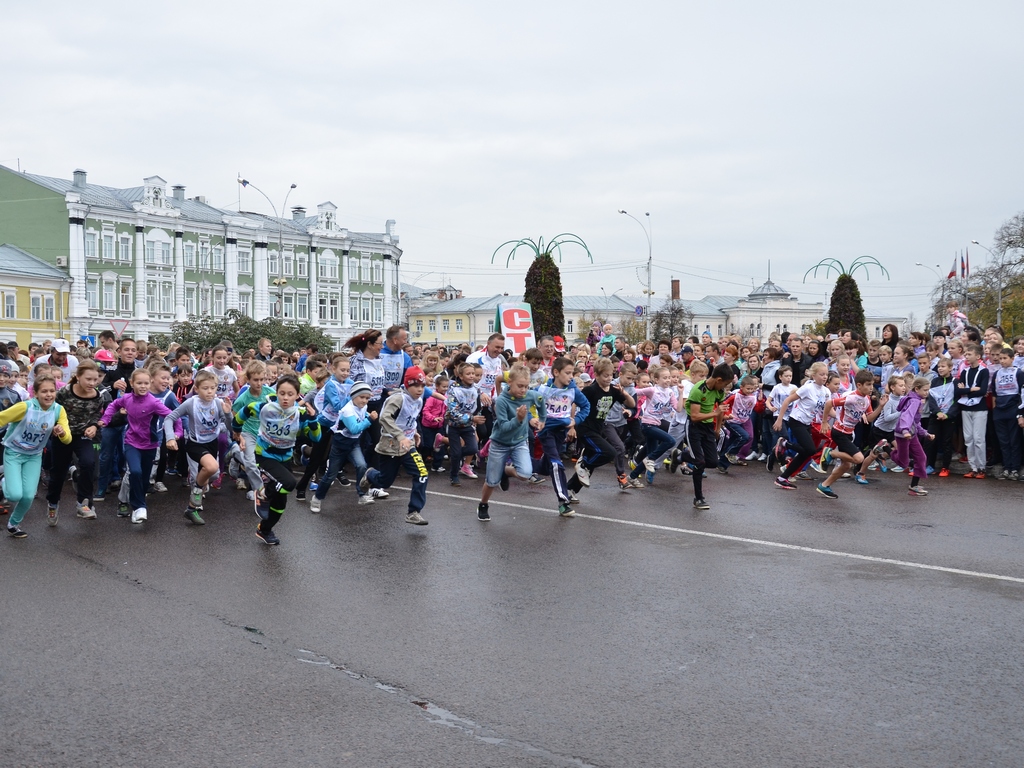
column 153, row 257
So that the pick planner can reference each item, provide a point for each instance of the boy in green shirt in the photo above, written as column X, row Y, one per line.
column 704, row 407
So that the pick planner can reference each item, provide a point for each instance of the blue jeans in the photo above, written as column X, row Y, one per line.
column 342, row 449
column 499, row 454
column 658, row 442
column 111, row 457
column 413, row 464
column 140, row 463
column 737, row 437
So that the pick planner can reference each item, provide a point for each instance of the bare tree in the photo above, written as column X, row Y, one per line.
column 673, row 319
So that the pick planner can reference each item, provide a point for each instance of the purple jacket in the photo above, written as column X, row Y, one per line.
column 910, row 415
column 141, row 411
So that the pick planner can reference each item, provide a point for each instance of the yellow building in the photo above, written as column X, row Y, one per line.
column 33, row 298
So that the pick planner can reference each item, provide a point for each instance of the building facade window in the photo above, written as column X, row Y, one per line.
column 190, row 301
column 365, row 306
column 302, row 306
column 92, row 295
column 490, row 326
column 445, row 325
column 432, row 326
column 335, row 305
column 10, row 306
column 328, row 268
column 108, row 296
column 378, row 311
column 151, row 297
column 365, row 271
column 48, row 309
column 204, row 301
column 458, row 324
column 165, row 255
column 245, row 303
column 126, row 249
column 218, row 302
column 378, row 272
column 108, row 247
column 353, row 310
column 322, row 307
column 289, row 264
column 126, row 297
column 35, row 307
column 190, row 256
column 272, row 262
column 353, row 270
column 419, row 326
column 150, row 252
column 245, row 262
column 218, row 259
column 568, row 326
column 288, row 304
column 302, row 262
column 167, row 298
column 204, row 256
column 90, row 245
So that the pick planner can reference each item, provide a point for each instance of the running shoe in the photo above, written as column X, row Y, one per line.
column 192, row 515
column 16, row 532
column 752, row 456
column 195, row 498
column 314, row 505
column 826, row 456
column 675, row 461
column 51, row 514
column 624, row 483
column 159, row 487
column 897, row 469
column 438, row 442
column 827, row 492
column 456, row 483
column 770, row 463
column 583, row 475
column 482, row 512
column 818, row 468
column 944, row 472
column 573, row 498
column 85, row 512
column 377, row 493
column 534, row 479
column 364, row 483
column 139, row 515
column 240, row 484
column 803, row 476
column 343, row 480
column 267, row 537
column 781, row 482
column 636, row 482
column 970, row 475
column 931, row 471
column 649, row 477
column 650, row 465
column 732, row 458
column 503, row 483
column 701, row 504
column 723, row 470
column 216, row 481
column 300, row 496
column 917, row 491
column 780, row 448
column 123, row 510
column 415, row 518
column 467, row 471
column 861, row 480
column 564, row 510
column 1004, row 475
column 979, row 475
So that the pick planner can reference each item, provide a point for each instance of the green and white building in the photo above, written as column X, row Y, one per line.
column 153, row 257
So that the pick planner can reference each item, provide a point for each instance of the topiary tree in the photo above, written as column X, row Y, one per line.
column 543, row 291
column 846, row 310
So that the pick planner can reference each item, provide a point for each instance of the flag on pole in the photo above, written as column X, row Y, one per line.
column 952, row 272
column 968, row 272
column 963, row 266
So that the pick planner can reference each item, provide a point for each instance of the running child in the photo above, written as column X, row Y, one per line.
column 559, row 427
column 808, row 405
column 909, row 433
column 705, row 423
column 660, row 400
column 853, row 407
column 463, row 415
column 346, row 432
column 29, row 426
column 509, row 436
column 597, row 450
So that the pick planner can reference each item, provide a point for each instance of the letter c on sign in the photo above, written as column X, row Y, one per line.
column 516, row 319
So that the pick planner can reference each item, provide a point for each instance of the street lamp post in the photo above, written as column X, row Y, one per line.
column 650, row 253
column 280, row 221
column 999, row 279
column 938, row 277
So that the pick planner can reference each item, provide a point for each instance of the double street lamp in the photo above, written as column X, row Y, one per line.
column 650, row 253
column 280, row 224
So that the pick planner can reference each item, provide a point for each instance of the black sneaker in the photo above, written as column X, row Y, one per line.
column 482, row 513
column 503, row 483
column 456, row 483
column 267, row 537
column 827, row 492
column 701, row 504
column 123, row 510
column 784, row 484
column 300, row 495
column 564, row 510
column 16, row 532
column 342, row 480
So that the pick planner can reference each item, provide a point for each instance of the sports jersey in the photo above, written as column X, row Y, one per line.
column 852, row 408
column 32, row 426
column 372, row 372
column 279, row 427
column 493, row 368
column 394, row 365
column 204, row 419
column 245, row 396
column 352, row 420
column 461, row 403
column 330, row 399
column 811, row 405
column 226, row 379
column 1006, row 385
column 742, row 405
column 558, row 402
column 778, row 396
column 658, row 406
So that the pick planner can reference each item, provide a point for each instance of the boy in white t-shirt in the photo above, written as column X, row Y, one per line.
column 780, row 392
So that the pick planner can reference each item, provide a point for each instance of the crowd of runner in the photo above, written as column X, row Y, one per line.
column 125, row 420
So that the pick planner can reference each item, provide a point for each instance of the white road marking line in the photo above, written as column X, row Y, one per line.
column 743, row 540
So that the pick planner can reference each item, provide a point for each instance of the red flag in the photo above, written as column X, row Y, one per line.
column 952, row 272
column 963, row 266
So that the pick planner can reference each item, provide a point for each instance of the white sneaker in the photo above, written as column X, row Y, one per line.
column 159, row 487
column 314, row 505
column 240, row 484
column 250, row 495
column 583, row 474
column 86, row 512
column 651, row 466
column 378, row 493
column 139, row 515
column 752, row 456
column 573, row 498
column 51, row 514
column 762, row 457
column 365, row 500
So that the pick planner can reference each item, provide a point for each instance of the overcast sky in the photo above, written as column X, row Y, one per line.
column 751, row 131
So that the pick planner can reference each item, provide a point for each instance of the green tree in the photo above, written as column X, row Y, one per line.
column 543, row 290
column 846, row 310
column 633, row 330
column 199, row 333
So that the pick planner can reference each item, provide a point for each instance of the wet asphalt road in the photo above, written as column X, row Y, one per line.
column 527, row 641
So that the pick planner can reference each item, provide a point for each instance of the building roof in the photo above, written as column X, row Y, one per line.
column 18, row 262
column 569, row 304
column 769, row 291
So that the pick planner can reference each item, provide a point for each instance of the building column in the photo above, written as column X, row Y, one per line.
column 141, row 313
column 179, row 277
column 230, row 273
column 314, row 297
column 389, row 296
column 261, row 288
column 76, row 262
column 345, row 287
